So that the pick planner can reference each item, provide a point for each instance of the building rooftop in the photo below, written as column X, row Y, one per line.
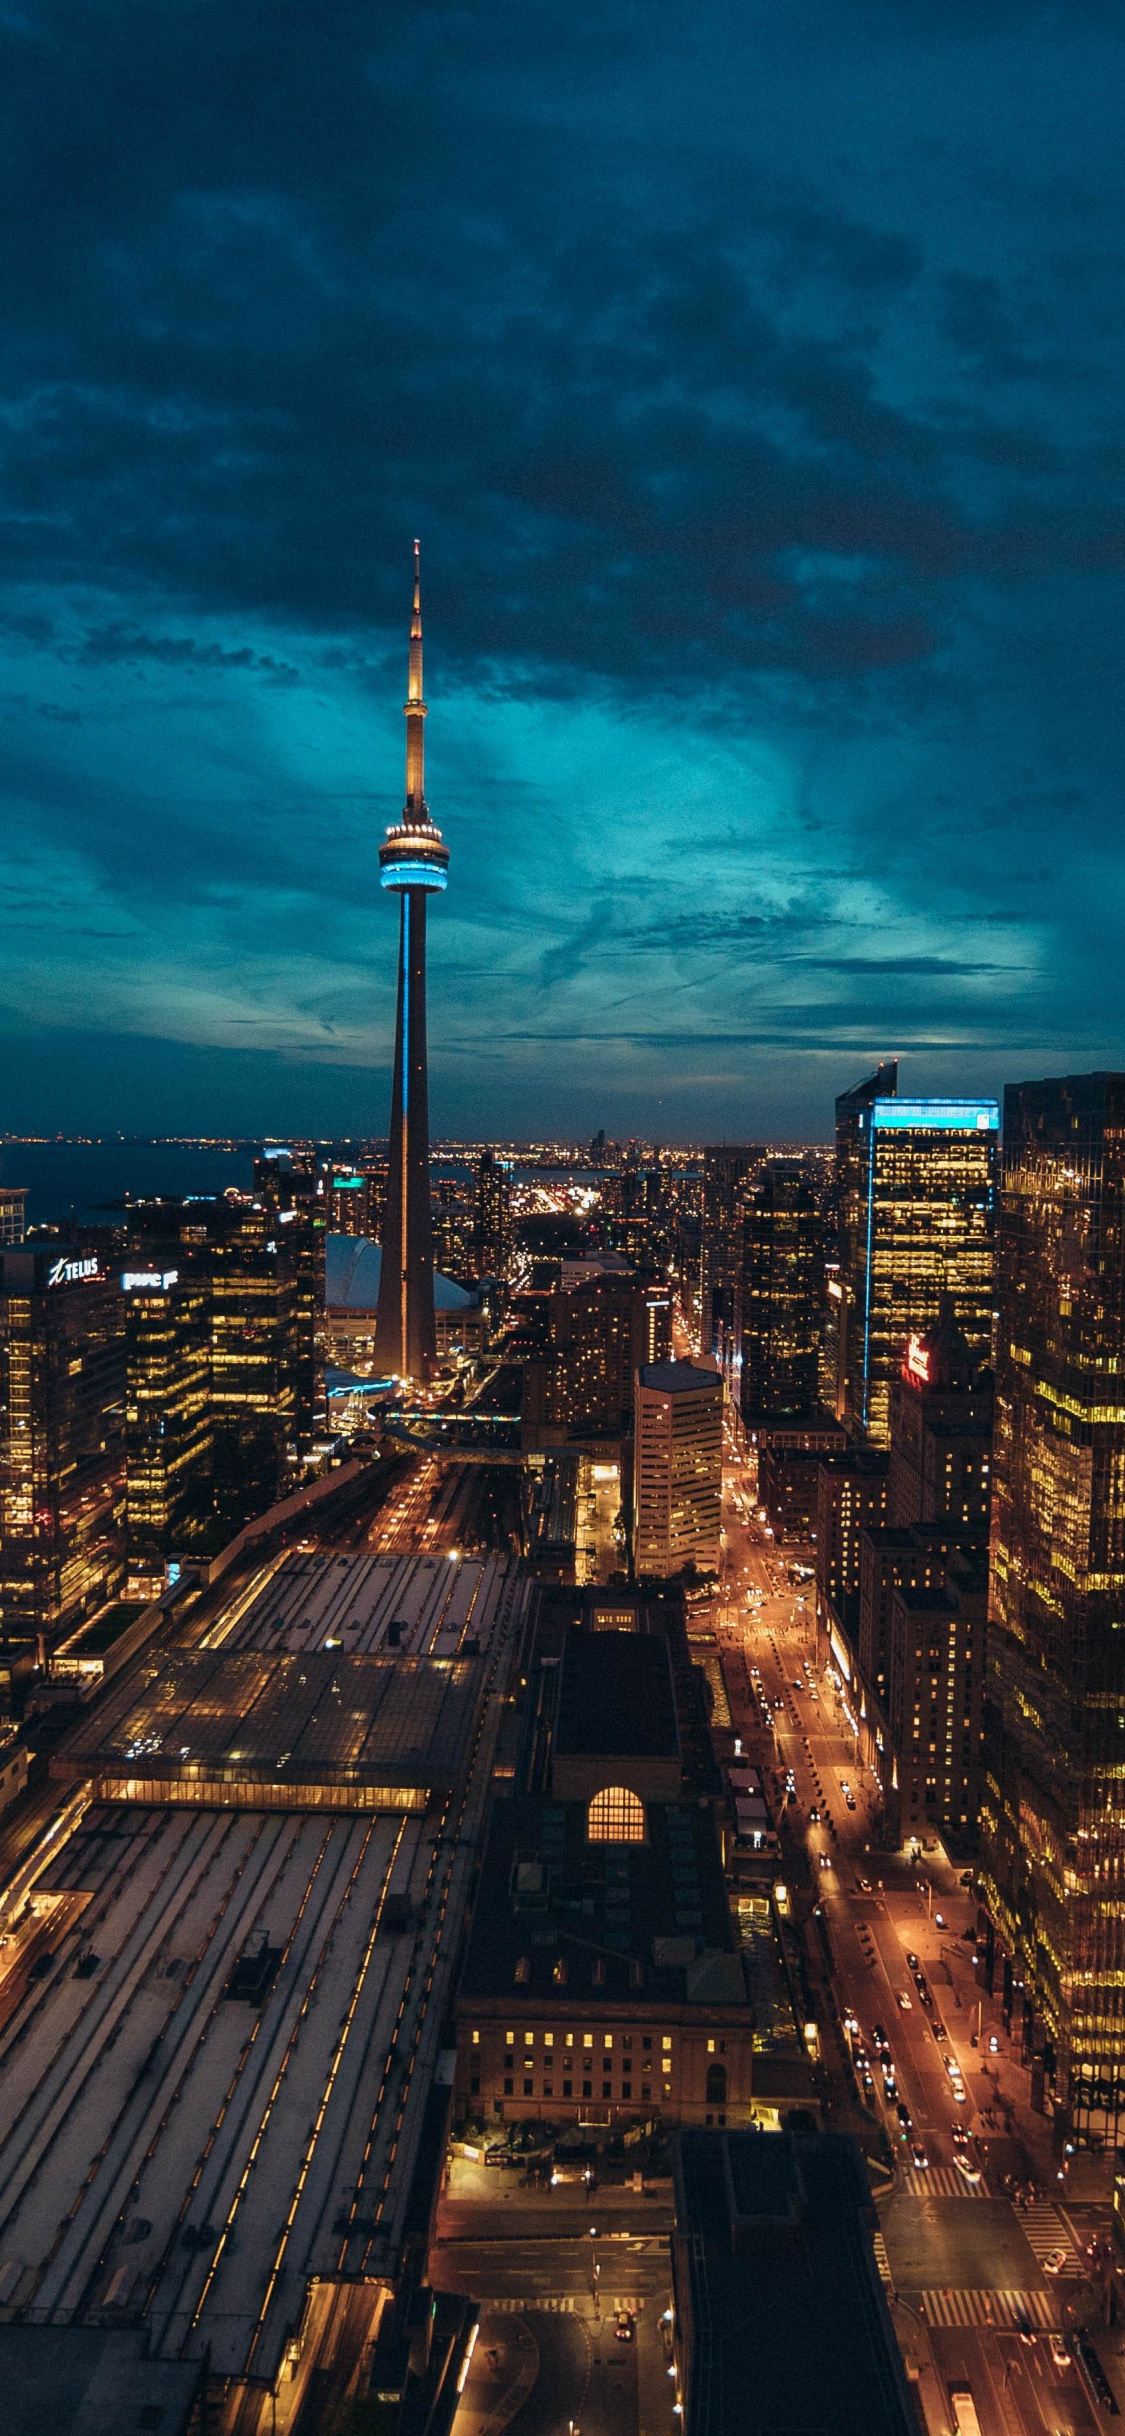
column 616, row 1696
column 774, row 2261
column 91, row 2381
column 627, row 1922
column 257, row 1719
column 678, row 1378
column 352, row 1267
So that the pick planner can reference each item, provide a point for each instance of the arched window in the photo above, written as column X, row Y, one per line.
column 615, row 1816
column 716, row 2084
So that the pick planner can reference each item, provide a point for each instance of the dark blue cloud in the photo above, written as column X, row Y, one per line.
column 755, row 384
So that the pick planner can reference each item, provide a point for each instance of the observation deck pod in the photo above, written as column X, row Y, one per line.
column 414, row 855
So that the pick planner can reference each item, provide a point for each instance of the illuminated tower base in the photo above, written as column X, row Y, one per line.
column 413, row 863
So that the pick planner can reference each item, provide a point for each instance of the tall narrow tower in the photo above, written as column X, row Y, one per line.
column 413, row 861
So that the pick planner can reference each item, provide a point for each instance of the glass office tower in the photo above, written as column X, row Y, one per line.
column 1053, row 1811
column 916, row 1187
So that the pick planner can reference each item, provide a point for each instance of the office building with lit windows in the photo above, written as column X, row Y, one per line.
column 13, row 1208
column 677, row 1467
column 168, row 1432
column 922, row 1580
column 493, row 1236
column 916, row 1195
column 62, row 1447
column 1053, row 1819
column 777, row 1313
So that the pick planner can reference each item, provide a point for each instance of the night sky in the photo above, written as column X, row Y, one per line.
column 752, row 374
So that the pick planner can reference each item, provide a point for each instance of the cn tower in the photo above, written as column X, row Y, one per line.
column 413, row 862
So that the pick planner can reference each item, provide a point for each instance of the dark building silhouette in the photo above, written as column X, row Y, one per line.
column 729, row 1169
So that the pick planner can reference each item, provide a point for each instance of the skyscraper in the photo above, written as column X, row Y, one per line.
column 493, row 1231
column 777, row 1316
column 168, row 1430
column 916, row 1187
column 62, row 1447
column 677, row 1467
column 729, row 1171
column 1052, row 1820
column 413, row 862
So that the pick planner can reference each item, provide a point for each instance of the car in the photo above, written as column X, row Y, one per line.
column 905, row 2117
column 966, row 2165
column 912, row 1962
column 864, row 1885
column 850, row 1800
column 814, row 1816
column 624, row 2326
column 1059, row 2353
column 1054, row 2262
column 958, row 2088
column 878, row 2035
column 826, row 1860
column 924, row 1996
column 905, row 2003
column 938, row 1921
column 500, row 2155
column 918, row 2158
column 1024, row 2328
column 993, row 2043
column 952, row 2067
column 939, row 2030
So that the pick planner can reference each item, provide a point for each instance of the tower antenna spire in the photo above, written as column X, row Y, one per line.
column 415, row 708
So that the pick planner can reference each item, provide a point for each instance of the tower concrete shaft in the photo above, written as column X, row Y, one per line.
column 413, row 862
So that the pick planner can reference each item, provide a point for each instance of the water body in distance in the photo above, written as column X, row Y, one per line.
column 75, row 1180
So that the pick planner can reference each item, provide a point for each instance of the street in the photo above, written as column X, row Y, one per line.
column 960, row 2262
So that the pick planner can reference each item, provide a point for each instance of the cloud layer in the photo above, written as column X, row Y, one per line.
column 754, row 383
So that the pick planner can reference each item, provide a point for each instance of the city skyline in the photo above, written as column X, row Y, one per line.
column 772, row 564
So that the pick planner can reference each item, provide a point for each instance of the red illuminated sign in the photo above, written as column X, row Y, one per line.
column 916, row 1361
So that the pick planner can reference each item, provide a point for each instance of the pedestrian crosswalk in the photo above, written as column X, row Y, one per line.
column 951, row 2308
column 537, row 2300
column 881, row 2260
column 944, row 2182
column 1045, row 2231
column 569, row 2301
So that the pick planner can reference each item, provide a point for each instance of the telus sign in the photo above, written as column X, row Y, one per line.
column 71, row 1272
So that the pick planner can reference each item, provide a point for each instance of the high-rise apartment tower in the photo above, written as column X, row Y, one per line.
column 413, row 863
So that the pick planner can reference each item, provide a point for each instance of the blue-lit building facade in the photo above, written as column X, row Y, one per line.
column 916, row 1192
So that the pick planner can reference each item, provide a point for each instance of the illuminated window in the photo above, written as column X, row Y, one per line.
column 615, row 1816
column 476, row 2038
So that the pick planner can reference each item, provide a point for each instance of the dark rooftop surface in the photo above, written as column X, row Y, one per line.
column 785, row 2271
column 90, row 2381
column 678, row 1378
column 317, row 1715
column 615, row 1696
column 548, row 1896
